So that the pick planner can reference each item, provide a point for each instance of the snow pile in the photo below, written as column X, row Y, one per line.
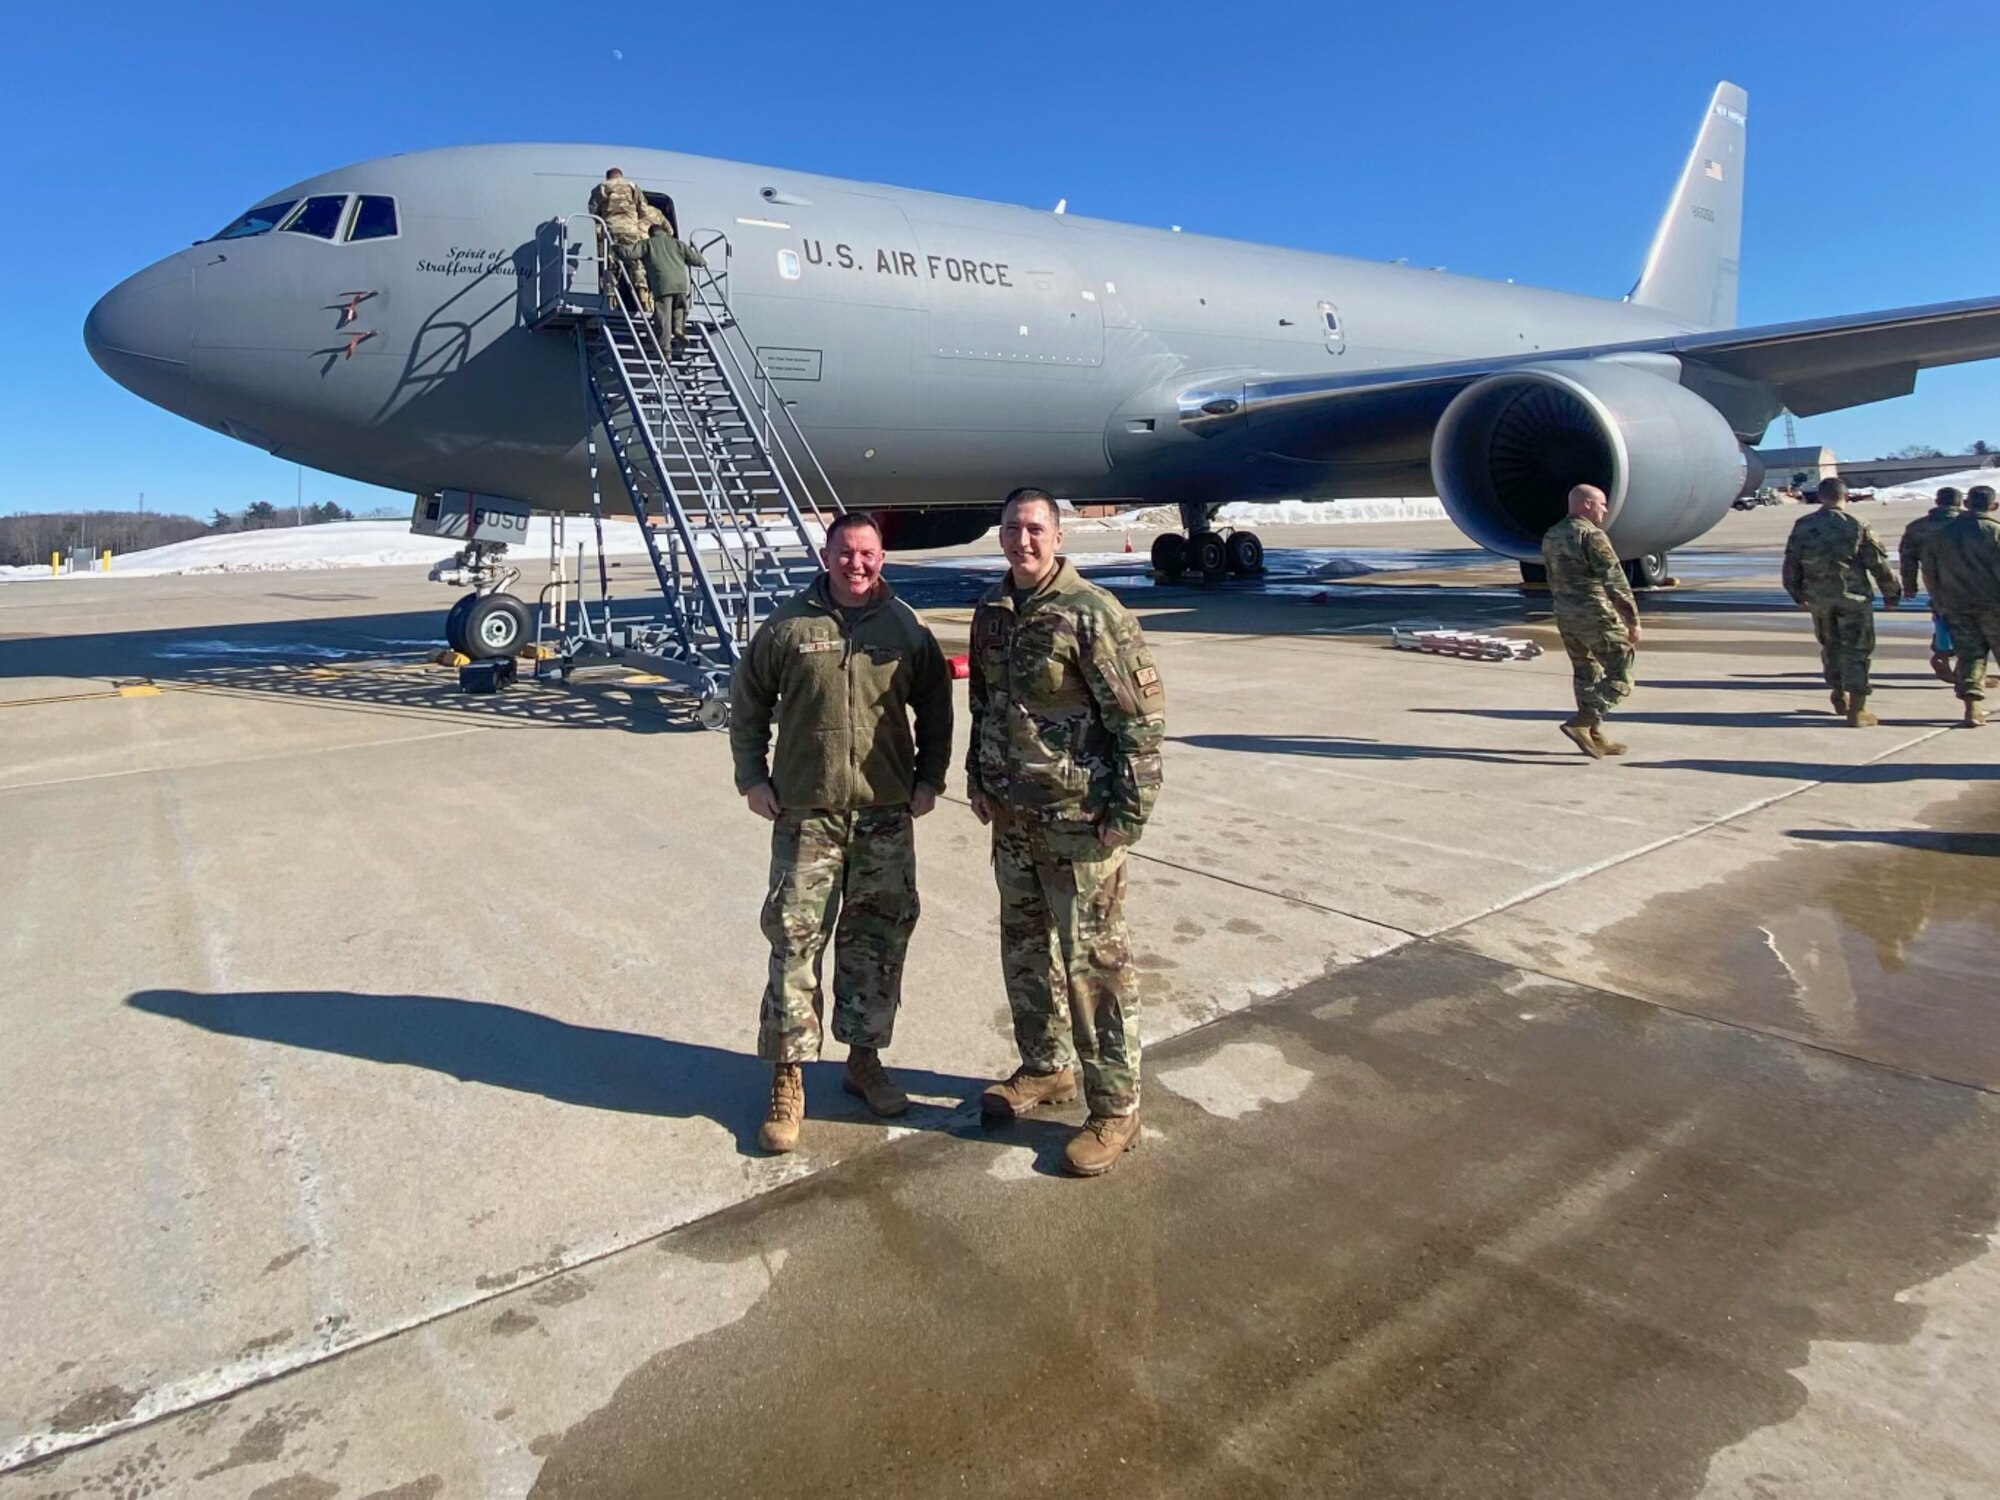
column 1277, row 513
column 339, row 544
column 1926, row 489
column 1331, row 512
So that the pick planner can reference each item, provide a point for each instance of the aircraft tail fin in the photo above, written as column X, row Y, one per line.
column 1691, row 269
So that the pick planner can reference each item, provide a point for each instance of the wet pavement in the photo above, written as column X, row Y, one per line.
column 378, row 1069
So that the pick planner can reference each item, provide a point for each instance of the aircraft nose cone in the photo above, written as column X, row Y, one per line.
column 141, row 331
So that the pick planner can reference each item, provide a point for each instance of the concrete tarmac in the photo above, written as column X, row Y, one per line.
column 381, row 1109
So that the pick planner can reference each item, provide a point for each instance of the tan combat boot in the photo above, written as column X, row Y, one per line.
column 1840, row 701
column 1095, row 1149
column 1605, row 744
column 1858, row 717
column 864, row 1079
column 1975, row 713
column 780, row 1131
column 1025, row 1091
column 1581, row 732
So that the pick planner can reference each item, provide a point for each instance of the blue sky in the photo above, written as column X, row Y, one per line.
column 1537, row 142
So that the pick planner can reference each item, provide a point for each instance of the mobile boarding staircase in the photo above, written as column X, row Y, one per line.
column 724, row 485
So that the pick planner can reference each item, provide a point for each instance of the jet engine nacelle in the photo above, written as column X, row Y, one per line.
column 1509, row 448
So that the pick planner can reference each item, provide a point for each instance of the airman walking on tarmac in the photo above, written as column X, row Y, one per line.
column 1596, row 616
column 1961, row 569
column 1067, row 718
column 849, row 662
column 1909, row 559
column 1830, row 558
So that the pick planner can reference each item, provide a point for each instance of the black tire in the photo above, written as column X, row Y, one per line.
column 1647, row 572
column 1534, row 575
column 496, row 625
column 454, row 623
column 1245, row 551
column 1170, row 554
column 1206, row 555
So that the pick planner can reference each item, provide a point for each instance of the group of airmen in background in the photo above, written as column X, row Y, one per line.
column 650, row 257
column 1834, row 566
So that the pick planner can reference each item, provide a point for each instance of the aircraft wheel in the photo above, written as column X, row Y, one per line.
column 1246, row 553
column 1206, row 554
column 713, row 712
column 1170, row 554
column 1534, row 576
column 454, row 623
column 495, row 626
column 1648, row 572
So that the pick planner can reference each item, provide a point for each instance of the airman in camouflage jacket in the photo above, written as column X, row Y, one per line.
column 1067, row 707
column 1829, row 559
column 1917, row 536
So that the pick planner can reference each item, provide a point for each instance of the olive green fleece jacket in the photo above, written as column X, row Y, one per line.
column 844, row 694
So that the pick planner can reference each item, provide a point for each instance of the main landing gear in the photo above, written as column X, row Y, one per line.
column 1211, row 554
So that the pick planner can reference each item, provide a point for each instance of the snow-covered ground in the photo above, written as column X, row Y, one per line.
column 337, row 544
column 374, row 544
column 1926, row 489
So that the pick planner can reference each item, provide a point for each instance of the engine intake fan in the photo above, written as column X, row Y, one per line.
column 1509, row 448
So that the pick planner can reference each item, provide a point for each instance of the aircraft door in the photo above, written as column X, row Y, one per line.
column 1329, row 319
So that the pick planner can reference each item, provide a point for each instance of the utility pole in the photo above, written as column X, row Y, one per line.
column 299, row 497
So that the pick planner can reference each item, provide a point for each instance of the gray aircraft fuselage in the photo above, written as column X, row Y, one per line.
column 939, row 350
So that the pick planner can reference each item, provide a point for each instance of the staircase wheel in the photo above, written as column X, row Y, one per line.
column 713, row 712
column 495, row 626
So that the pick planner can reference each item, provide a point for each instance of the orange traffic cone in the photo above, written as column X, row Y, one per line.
column 1128, row 541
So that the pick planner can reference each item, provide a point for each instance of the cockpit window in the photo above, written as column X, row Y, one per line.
column 259, row 220
column 374, row 220
column 320, row 217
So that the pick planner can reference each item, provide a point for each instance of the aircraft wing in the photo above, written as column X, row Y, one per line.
column 1815, row 366
column 1828, row 363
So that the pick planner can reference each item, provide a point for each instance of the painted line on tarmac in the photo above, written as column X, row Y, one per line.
column 247, row 760
column 1612, row 862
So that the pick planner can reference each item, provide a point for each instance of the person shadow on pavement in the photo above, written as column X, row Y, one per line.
column 478, row 1041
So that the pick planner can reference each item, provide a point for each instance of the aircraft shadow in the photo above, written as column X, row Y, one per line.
column 1346, row 747
column 477, row 1041
column 1933, row 841
column 362, row 663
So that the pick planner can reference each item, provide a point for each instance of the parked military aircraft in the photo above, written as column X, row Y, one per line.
column 375, row 322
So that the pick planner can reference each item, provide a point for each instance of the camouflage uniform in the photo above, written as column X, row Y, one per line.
column 1067, row 718
column 851, row 876
column 1585, row 583
column 1829, row 559
column 1909, row 557
column 620, row 203
column 1961, row 569
column 843, row 864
